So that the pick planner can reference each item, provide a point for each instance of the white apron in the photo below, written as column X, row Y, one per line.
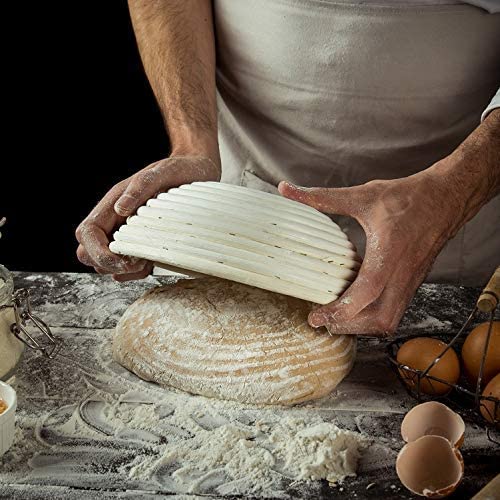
column 324, row 93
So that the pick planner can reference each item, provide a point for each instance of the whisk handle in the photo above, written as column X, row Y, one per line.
column 490, row 297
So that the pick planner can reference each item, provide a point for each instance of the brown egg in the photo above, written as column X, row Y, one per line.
column 433, row 419
column 473, row 351
column 418, row 354
column 430, row 467
column 488, row 410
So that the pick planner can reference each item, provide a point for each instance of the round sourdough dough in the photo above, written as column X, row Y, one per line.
column 230, row 341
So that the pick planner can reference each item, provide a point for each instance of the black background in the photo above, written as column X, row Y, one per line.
column 79, row 116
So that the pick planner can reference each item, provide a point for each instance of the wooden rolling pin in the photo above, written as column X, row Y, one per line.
column 490, row 297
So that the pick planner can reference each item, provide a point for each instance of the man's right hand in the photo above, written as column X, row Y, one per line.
column 123, row 200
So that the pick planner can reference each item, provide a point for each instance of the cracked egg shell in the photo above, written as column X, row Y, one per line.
column 433, row 419
column 430, row 467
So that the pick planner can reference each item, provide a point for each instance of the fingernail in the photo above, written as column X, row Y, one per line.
column 284, row 185
column 134, row 264
column 125, row 205
column 316, row 320
column 132, row 261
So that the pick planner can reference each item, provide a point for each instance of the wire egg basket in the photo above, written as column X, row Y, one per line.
column 467, row 399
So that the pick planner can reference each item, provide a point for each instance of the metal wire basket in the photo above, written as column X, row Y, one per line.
column 462, row 396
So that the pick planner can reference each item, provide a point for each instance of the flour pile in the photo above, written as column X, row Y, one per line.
column 321, row 451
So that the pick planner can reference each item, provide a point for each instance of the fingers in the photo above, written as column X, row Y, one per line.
column 369, row 322
column 92, row 234
column 83, row 256
column 93, row 251
column 123, row 200
column 128, row 276
column 373, row 275
column 143, row 185
column 134, row 276
column 368, row 286
column 341, row 201
column 147, row 266
column 163, row 175
column 382, row 316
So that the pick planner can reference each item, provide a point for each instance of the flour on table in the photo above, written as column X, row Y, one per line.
column 430, row 322
column 171, row 441
column 207, row 447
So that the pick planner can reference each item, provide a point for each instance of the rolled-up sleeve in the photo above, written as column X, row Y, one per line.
column 495, row 103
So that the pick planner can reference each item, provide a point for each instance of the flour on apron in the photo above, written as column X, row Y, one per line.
column 323, row 93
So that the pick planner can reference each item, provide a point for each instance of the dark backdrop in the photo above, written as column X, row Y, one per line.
column 79, row 115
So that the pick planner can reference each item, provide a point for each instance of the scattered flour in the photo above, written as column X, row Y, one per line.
column 192, row 445
column 22, row 447
column 430, row 322
column 239, row 458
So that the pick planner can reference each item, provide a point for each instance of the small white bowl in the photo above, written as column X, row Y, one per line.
column 7, row 418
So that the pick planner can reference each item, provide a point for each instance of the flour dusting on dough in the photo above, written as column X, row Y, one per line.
column 230, row 341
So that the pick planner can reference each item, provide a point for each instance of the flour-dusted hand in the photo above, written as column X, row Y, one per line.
column 407, row 222
column 122, row 200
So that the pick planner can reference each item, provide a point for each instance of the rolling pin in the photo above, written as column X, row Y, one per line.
column 490, row 297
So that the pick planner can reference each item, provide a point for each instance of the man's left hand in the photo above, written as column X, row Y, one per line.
column 407, row 222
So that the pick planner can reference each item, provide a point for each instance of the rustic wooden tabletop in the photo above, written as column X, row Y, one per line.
column 64, row 448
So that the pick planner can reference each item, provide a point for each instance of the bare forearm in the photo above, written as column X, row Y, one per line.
column 471, row 173
column 177, row 47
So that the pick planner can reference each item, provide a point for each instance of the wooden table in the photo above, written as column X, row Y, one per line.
column 82, row 310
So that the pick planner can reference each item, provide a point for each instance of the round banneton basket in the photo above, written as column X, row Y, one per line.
column 243, row 235
column 462, row 396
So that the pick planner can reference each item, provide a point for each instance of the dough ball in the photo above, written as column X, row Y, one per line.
column 230, row 341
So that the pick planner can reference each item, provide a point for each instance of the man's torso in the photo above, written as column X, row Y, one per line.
column 327, row 93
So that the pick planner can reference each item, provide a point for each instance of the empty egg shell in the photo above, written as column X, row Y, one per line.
column 430, row 467
column 433, row 419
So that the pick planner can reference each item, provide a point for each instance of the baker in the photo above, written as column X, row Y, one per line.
column 386, row 110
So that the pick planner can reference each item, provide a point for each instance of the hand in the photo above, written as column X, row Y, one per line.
column 122, row 200
column 407, row 222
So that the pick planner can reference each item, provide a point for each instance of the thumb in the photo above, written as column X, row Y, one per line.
column 142, row 186
column 340, row 201
column 162, row 175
